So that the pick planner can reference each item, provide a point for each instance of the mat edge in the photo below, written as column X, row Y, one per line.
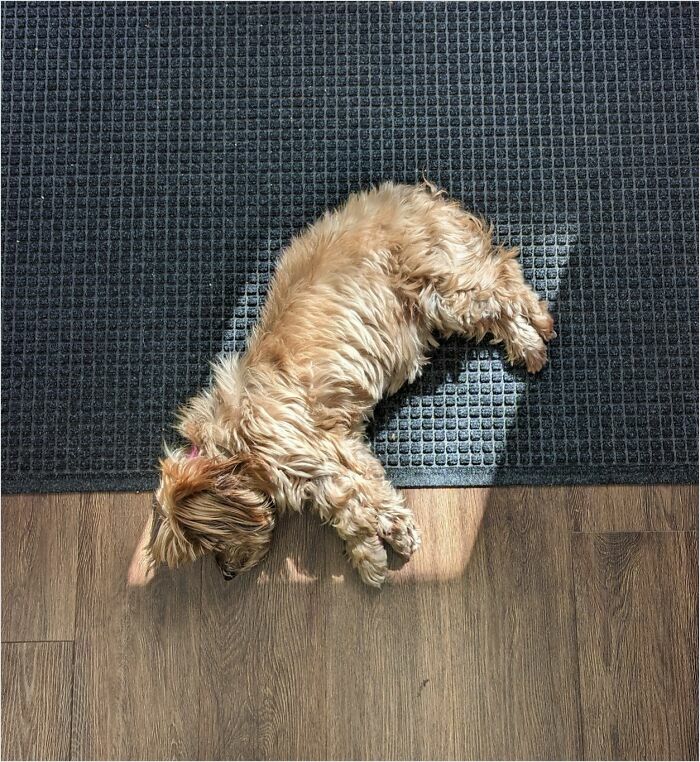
column 406, row 478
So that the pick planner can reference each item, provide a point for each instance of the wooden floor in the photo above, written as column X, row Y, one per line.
column 534, row 623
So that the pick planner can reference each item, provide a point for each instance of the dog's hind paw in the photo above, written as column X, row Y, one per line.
column 544, row 325
column 534, row 358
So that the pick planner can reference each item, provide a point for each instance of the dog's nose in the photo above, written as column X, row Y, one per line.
column 226, row 571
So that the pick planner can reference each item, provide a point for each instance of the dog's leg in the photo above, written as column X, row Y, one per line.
column 512, row 314
column 481, row 290
column 508, row 310
column 395, row 522
column 365, row 510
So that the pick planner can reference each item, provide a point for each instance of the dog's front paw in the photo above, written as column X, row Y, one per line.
column 401, row 532
column 368, row 556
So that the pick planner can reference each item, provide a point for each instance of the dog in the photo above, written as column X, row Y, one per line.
column 352, row 312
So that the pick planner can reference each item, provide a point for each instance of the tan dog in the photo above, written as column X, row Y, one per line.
column 350, row 316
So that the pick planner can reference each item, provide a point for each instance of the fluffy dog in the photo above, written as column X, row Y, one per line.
column 351, row 313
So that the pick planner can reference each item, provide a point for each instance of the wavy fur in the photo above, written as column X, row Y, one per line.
column 351, row 314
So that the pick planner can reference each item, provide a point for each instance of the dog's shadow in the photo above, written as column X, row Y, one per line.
column 307, row 553
column 304, row 552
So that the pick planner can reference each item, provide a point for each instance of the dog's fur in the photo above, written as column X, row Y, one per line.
column 350, row 316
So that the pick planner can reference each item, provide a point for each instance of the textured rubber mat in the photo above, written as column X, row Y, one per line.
column 157, row 157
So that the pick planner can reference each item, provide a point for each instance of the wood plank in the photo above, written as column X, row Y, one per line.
column 316, row 665
column 468, row 651
column 263, row 687
column 137, row 650
column 637, row 508
column 39, row 552
column 36, row 691
column 391, row 668
column 637, row 613
column 513, row 638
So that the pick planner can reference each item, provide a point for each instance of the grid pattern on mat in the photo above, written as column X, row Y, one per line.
column 157, row 157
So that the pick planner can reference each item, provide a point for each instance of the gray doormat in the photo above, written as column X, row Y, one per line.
column 157, row 157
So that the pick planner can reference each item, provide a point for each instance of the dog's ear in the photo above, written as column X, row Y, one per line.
column 250, row 521
column 207, row 505
column 183, row 482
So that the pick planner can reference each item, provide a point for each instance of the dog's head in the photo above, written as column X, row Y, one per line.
column 210, row 504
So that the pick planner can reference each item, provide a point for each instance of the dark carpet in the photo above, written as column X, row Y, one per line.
column 157, row 157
